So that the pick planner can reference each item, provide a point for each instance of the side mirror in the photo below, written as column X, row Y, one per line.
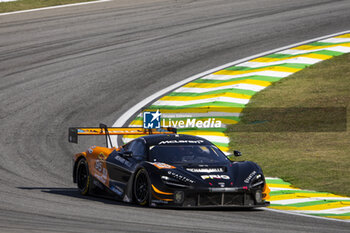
column 237, row 153
column 127, row 154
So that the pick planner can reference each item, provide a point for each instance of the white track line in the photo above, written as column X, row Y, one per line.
column 304, row 215
column 54, row 7
column 297, row 60
column 241, row 86
column 278, row 74
column 201, row 101
column 336, row 40
column 309, row 199
column 342, row 49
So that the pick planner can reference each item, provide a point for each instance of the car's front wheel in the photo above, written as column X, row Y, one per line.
column 142, row 188
column 83, row 177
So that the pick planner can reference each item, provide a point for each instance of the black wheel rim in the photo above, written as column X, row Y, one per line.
column 141, row 188
column 82, row 177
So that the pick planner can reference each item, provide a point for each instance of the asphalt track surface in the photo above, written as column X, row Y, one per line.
column 79, row 66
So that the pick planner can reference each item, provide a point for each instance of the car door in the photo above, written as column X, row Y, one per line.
column 120, row 167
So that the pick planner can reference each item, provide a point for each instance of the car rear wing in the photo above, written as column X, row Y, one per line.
column 74, row 132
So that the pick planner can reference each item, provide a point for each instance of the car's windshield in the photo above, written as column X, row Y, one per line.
column 186, row 154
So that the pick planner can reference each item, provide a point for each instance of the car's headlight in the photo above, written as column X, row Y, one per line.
column 166, row 178
column 173, row 182
column 257, row 181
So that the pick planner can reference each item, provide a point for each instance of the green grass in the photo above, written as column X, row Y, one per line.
column 309, row 160
column 31, row 4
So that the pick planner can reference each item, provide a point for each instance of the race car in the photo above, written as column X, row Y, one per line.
column 163, row 168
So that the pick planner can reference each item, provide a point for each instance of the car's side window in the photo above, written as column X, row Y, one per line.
column 126, row 147
column 138, row 149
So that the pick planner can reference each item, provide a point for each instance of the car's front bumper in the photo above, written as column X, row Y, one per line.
column 211, row 197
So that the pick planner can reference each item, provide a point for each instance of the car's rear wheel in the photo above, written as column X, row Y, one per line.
column 83, row 177
column 142, row 188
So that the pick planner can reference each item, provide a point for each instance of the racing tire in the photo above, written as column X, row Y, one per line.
column 141, row 188
column 83, row 177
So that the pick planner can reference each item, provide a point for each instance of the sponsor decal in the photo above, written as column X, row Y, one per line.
column 192, row 123
column 88, row 131
column 181, row 141
column 156, row 201
column 162, row 165
column 103, row 177
column 151, row 120
column 102, row 156
column 117, row 190
column 218, row 177
column 123, row 161
column 221, row 184
column 98, row 165
column 205, row 170
column 247, row 180
column 180, row 177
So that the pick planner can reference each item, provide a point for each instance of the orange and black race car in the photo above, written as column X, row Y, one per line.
column 163, row 168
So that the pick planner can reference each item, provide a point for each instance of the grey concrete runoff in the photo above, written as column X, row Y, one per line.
column 83, row 65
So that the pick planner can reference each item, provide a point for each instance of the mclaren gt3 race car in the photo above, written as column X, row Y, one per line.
column 163, row 168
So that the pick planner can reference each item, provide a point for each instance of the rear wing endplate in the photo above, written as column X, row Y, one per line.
column 74, row 132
